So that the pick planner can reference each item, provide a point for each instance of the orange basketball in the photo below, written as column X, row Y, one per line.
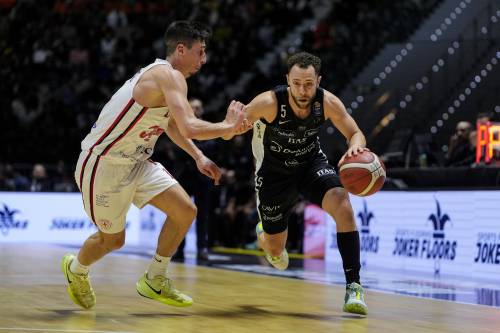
column 363, row 174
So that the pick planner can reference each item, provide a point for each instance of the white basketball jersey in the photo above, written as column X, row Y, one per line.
column 125, row 130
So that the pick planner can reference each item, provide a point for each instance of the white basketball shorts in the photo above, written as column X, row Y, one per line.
column 108, row 188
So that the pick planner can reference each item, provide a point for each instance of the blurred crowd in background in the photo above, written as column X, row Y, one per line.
column 63, row 59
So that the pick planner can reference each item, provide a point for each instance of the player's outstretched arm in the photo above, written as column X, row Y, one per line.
column 174, row 88
column 336, row 112
column 263, row 106
column 204, row 164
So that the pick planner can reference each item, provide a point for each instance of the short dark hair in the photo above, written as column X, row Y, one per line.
column 186, row 32
column 304, row 60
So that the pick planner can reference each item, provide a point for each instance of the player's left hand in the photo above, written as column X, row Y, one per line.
column 209, row 168
column 352, row 151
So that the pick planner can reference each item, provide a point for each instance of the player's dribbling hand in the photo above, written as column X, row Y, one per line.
column 207, row 167
column 352, row 151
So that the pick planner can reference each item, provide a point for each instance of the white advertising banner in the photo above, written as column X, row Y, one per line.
column 52, row 218
column 449, row 232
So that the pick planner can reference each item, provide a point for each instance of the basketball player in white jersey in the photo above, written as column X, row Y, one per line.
column 114, row 169
column 289, row 162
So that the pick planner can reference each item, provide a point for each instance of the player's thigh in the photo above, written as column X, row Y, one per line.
column 156, row 186
column 275, row 195
column 318, row 179
column 107, row 192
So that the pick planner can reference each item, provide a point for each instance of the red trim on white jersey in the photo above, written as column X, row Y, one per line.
column 101, row 139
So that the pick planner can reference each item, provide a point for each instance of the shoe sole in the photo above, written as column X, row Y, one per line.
column 167, row 301
column 356, row 308
column 64, row 268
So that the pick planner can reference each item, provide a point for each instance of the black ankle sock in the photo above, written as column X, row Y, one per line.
column 348, row 244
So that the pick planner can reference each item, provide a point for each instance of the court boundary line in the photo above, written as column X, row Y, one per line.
column 57, row 330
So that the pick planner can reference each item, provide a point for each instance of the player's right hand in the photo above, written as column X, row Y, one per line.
column 235, row 116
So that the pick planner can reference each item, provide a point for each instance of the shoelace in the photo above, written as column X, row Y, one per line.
column 82, row 284
column 166, row 285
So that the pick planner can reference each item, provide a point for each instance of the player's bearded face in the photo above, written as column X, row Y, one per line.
column 303, row 83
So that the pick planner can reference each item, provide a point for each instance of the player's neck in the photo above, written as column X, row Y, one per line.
column 177, row 65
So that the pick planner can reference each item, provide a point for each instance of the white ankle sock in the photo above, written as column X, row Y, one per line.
column 158, row 266
column 77, row 268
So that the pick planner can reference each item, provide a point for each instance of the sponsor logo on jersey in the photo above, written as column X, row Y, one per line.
column 153, row 131
column 311, row 132
column 285, row 133
column 316, row 106
column 275, row 147
column 300, row 151
column 274, row 218
column 270, row 208
column 104, row 224
column 324, row 172
column 291, row 163
column 297, row 140
column 143, row 150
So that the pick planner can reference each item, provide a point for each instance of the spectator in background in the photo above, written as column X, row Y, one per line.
column 460, row 151
column 12, row 180
column 199, row 186
column 63, row 180
column 39, row 180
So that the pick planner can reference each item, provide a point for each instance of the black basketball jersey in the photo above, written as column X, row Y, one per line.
column 288, row 141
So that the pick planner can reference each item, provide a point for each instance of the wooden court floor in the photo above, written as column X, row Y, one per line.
column 33, row 299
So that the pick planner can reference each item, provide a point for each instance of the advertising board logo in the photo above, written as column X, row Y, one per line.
column 426, row 244
column 8, row 220
column 369, row 242
column 488, row 248
column 68, row 223
column 438, row 222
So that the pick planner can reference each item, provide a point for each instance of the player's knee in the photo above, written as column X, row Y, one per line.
column 186, row 214
column 336, row 198
column 191, row 211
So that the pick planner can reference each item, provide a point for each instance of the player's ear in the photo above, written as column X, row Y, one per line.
column 319, row 79
column 287, row 79
column 181, row 48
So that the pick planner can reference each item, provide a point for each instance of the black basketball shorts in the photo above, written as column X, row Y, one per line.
column 278, row 190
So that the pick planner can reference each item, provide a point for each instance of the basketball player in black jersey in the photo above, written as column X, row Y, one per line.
column 289, row 161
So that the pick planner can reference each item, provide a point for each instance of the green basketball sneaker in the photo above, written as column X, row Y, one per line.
column 160, row 288
column 354, row 301
column 280, row 262
column 79, row 287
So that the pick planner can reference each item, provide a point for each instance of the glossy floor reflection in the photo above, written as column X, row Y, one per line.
column 442, row 287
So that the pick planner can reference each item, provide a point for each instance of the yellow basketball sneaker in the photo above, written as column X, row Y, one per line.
column 354, row 301
column 280, row 262
column 79, row 287
column 160, row 288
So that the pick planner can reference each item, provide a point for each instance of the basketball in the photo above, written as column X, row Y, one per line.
column 363, row 174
